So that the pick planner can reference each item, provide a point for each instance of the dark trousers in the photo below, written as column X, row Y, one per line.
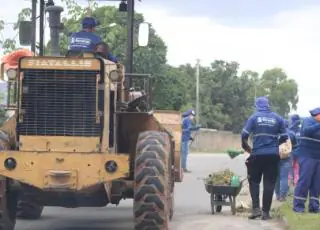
column 266, row 166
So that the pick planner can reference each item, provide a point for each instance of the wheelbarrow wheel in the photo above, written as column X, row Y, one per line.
column 219, row 207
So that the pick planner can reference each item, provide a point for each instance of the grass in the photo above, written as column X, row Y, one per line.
column 297, row 221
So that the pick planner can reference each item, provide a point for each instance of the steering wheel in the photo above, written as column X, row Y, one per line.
column 139, row 104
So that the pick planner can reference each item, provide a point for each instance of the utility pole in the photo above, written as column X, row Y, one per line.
column 34, row 25
column 197, row 91
column 41, row 28
column 130, row 22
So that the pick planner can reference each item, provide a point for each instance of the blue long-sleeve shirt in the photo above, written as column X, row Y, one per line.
column 294, row 134
column 309, row 140
column 87, row 41
column 187, row 128
column 84, row 41
column 268, row 132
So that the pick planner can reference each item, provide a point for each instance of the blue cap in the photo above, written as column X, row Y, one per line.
column 189, row 112
column 262, row 103
column 89, row 22
column 295, row 118
column 315, row 112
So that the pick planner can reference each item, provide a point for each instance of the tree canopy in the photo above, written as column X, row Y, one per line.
column 226, row 94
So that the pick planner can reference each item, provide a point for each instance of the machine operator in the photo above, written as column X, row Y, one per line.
column 86, row 39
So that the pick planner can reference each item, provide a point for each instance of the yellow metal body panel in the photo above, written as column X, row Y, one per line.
column 59, row 144
column 60, row 63
column 63, row 171
column 171, row 121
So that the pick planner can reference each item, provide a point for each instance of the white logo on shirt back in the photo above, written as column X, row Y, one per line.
column 266, row 121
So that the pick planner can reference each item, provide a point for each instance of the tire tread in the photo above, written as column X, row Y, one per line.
column 151, row 181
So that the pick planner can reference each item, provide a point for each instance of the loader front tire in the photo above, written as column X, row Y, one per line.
column 8, row 205
column 28, row 208
column 153, row 187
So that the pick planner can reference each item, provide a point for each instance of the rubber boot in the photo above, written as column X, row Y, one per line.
column 266, row 216
column 254, row 191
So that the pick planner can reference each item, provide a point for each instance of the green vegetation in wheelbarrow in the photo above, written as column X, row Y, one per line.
column 233, row 153
column 225, row 177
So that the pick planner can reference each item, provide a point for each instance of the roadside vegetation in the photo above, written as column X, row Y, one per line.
column 295, row 221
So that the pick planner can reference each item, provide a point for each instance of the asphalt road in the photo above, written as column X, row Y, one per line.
column 191, row 202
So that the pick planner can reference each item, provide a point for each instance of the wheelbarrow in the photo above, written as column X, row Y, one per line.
column 223, row 195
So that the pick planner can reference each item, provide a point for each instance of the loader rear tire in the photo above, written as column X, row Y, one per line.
column 153, row 182
column 8, row 205
column 28, row 208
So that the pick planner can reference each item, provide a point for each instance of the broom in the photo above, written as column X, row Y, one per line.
column 233, row 153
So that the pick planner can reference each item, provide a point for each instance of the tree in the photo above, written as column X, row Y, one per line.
column 113, row 30
column 282, row 91
column 170, row 89
column 10, row 44
column 220, row 94
column 3, row 112
column 3, row 116
column 226, row 96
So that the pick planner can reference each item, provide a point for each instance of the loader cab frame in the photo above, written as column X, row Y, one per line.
column 28, row 31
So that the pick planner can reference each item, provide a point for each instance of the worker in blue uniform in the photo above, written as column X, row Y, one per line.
column 268, row 131
column 86, row 39
column 187, row 128
column 309, row 165
column 284, row 169
column 294, row 134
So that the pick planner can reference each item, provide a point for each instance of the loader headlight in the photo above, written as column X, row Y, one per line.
column 114, row 76
column 12, row 74
column 10, row 163
column 111, row 166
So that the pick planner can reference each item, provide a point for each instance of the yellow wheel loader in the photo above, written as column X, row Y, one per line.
column 80, row 137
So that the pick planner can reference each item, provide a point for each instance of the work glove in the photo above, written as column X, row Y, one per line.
column 191, row 139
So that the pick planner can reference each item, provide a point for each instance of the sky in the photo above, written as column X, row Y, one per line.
column 257, row 34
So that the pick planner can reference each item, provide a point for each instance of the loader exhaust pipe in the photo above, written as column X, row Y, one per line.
column 55, row 27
